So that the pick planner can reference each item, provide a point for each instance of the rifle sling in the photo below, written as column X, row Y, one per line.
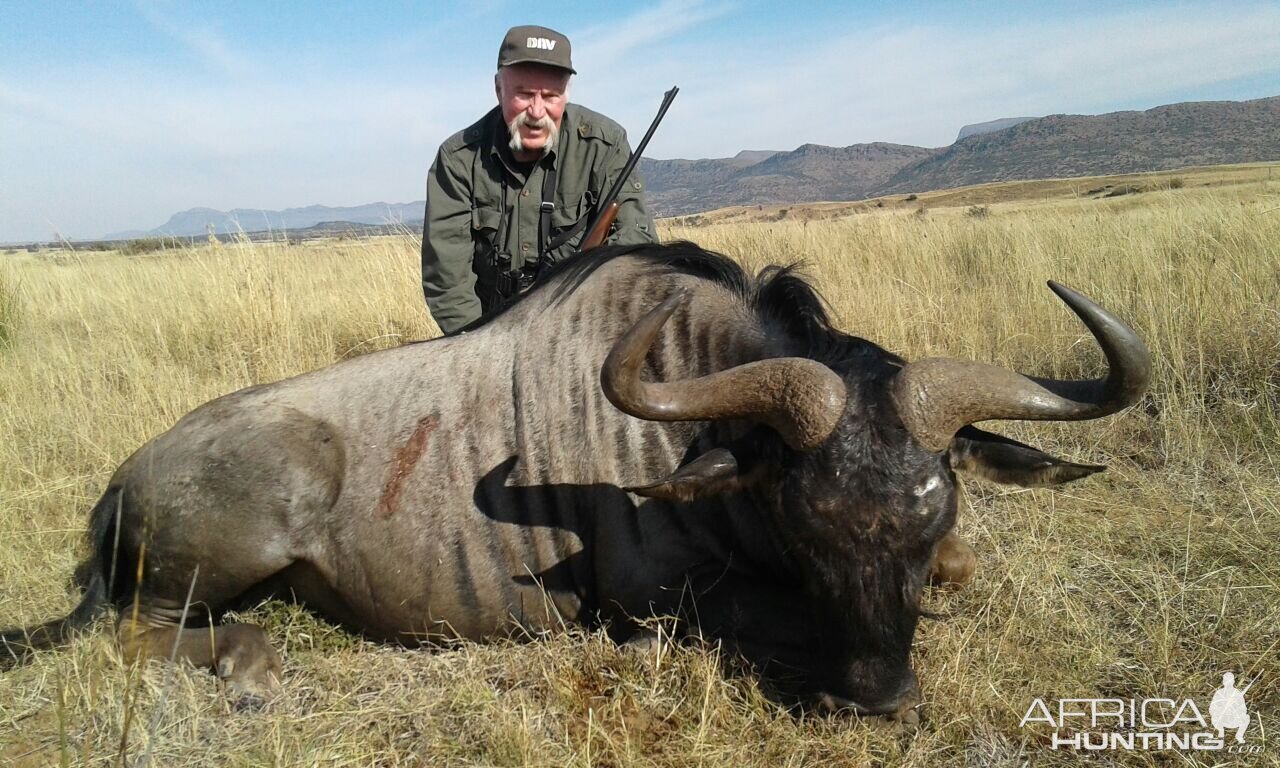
column 550, row 179
column 548, row 244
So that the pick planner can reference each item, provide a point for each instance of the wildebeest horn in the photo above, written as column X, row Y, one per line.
column 801, row 399
column 935, row 397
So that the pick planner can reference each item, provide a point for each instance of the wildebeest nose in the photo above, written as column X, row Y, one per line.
column 905, row 707
column 900, row 707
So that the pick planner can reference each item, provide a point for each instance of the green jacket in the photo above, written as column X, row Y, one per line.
column 477, row 194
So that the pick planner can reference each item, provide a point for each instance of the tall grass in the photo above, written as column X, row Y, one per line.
column 10, row 309
column 1151, row 579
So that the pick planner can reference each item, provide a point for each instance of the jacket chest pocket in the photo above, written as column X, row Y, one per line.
column 569, row 212
column 484, row 241
column 484, row 226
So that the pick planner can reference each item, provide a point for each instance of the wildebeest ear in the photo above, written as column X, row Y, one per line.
column 719, row 470
column 713, row 472
column 1002, row 460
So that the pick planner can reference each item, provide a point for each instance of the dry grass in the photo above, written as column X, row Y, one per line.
column 1149, row 580
column 10, row 310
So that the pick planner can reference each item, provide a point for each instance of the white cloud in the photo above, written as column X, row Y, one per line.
column 197, row 35
column 642, row 33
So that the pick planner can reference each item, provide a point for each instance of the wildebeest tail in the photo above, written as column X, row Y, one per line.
column 17, row 645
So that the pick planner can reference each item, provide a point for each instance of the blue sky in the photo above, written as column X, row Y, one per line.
column 115, row 115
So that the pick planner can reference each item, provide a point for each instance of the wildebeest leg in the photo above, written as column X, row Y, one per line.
column 155, row 624
column 217, row 525
column 215, row 571
column 239, row 654
column 954, row 561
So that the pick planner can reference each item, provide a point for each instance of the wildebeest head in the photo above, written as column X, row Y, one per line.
column 857, row 468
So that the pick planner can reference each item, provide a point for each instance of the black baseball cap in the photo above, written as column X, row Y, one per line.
column 535, row 45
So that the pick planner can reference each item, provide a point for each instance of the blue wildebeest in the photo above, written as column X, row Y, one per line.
column 650, row 431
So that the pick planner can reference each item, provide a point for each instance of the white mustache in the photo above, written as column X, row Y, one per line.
column 522, row 119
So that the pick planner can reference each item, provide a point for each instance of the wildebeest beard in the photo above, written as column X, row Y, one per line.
column 866, row 611
column 516, row 143
column 863, row 591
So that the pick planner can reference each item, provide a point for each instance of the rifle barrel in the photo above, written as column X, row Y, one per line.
column 616, row 189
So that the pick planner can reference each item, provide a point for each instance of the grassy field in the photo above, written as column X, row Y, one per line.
column 1149, row 580
column 1022, row 195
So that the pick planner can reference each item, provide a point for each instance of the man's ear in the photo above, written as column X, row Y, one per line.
column 497, row 85
column 1001, row 460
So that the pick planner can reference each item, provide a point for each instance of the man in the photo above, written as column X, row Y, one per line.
column 511, row 194
column 1228, row 711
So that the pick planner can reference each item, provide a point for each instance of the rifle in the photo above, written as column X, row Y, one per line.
column 607, row 211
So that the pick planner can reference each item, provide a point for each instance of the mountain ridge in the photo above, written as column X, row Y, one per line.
column 1177, row 135
column 990, row 126
column 204, row 220
column 1133, row 141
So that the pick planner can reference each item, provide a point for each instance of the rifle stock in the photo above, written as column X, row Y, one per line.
column 600, row 230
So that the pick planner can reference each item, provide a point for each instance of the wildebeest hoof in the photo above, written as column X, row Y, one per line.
column 646, row 641
column 909, row 718
column 249, row 666
column 247, row 702
column 248, row 693
column 251, row 694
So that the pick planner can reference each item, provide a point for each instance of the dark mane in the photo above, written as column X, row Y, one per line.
column 785, row 299
column 781, row 297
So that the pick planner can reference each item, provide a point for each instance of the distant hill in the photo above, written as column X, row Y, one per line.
column 991, row 126
column 198, row 221
column 1017, row 148
column 1173, row 136
column 809, row 172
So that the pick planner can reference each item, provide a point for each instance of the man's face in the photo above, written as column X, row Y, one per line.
column 533, row 99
